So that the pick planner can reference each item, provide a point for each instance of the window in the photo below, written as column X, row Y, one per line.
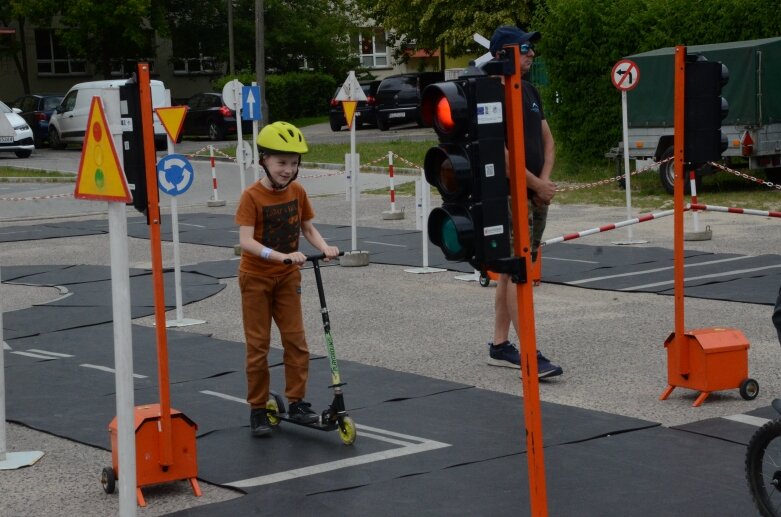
column 202, row 65
column 372, row 47
column 53, row 58
column 123, row 67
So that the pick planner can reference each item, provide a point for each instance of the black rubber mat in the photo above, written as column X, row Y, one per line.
column 649, row 472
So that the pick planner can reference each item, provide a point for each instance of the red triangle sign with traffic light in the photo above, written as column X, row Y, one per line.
column 100, row 175
column 172, row 119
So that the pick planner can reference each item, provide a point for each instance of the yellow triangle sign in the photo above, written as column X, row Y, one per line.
column 349, row 111
column 172, row 119
column 100, row 174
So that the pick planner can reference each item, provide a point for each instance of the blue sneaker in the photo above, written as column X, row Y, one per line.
column 504, row 354
column 545, row 368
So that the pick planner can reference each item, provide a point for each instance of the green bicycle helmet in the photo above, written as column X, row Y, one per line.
column 282, row 137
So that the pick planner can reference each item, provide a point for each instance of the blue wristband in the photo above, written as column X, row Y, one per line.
column 265, row 252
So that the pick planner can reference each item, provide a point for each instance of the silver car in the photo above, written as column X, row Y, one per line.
column 15, row 135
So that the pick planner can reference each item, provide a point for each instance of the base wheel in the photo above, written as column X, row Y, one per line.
column 749, row 389
column 109, row 480
column 347, row 431
column 763, row 468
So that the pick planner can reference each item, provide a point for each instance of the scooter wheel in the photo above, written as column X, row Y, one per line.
column 347, row 431
column 273, row 411
column 484, row 280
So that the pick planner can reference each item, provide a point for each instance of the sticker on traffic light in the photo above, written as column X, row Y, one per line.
column 704, row 109
column 468, row 169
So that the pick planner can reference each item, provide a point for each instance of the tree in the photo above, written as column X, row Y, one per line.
column 13, row 46
column 446, row 25
column 99, row 31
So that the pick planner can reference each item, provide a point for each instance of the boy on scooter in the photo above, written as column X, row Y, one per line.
column 271, row 215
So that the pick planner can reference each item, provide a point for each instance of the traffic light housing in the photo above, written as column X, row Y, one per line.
column 704, row 109
column 133, row 144
column 468, row 169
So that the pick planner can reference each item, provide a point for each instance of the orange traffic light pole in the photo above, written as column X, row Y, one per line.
column 522, row 249
column 678, row 152
column 153, row 213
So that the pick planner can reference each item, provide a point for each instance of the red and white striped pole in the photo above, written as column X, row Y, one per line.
column 697, row 234
column 392, row 214
column 608, row 227
column 215, row 200
column 736, row 210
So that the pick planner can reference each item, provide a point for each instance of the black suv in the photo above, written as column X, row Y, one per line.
column 398, row 98
column 364, row 111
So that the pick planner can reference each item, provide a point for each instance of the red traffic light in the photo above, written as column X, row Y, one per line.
column 444, row 107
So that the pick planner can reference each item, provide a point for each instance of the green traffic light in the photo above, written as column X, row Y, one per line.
column 450, row 240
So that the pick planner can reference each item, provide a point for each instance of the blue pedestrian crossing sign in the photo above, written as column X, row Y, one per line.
column 175, row 174
column 250, row 103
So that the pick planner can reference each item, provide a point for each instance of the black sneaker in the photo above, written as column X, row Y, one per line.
column 504, row 354
column 301, row 412
column 545, row 368
column 258, row 422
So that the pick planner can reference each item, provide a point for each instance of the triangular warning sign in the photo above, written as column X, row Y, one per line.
column 100, row 174
column 172, row 119
column 349, row 111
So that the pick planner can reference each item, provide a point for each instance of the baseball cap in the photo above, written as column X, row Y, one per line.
column 509, row 34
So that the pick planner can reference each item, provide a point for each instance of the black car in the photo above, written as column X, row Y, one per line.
column 207, row 115
column 364, row 111
column 398, row 98
column 37, row 109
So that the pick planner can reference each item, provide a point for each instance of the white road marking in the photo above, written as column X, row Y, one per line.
column 428, row 445
column 572, row 260
column 747, row 419
column 407, row 445
column 55, row 354
column 110, row 370
column 224, row 396
column 386, row 244
column 655, row 270
column 36, row 356
column 701, row 277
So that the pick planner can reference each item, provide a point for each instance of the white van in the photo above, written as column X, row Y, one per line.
column 69, row 120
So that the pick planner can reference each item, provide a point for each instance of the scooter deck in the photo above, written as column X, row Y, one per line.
column 316, row 425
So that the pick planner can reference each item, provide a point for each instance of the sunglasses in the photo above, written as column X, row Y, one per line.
column 526, row 47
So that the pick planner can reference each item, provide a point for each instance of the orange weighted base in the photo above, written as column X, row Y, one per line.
column 717, row 357
column 149, row 471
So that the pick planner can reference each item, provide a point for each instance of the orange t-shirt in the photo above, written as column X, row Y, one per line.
column 276, row 217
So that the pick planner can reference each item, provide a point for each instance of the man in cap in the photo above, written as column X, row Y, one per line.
column 539, row 147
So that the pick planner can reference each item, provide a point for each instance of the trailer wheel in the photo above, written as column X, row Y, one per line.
column 667, row 175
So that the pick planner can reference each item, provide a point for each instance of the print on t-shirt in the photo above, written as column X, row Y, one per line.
column 281, row 227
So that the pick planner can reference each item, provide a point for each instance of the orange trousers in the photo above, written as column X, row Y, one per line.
column 277, row 298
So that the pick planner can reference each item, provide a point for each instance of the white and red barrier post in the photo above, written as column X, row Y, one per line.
column 392, row 214
column 423, row 200
column 215, row 200
column 696, row 234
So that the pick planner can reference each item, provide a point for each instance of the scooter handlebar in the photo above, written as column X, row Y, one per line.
column 313, row 258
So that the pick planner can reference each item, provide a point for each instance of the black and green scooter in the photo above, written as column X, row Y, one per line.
column 335, row 417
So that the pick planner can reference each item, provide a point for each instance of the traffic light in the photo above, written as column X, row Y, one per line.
column 704, row 109
column 133, row 144
column 468, row 169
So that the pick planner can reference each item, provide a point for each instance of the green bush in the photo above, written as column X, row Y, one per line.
column 291, row 96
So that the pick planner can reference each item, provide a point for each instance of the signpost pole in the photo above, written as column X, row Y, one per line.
column 625, row 76
column 255, row 152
